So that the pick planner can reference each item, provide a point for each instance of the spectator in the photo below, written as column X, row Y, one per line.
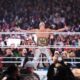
column 30, row 75
column 8, row 53
column 59, row 71
column 12, row 73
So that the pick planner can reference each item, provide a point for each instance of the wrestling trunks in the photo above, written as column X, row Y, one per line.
column 42, row 41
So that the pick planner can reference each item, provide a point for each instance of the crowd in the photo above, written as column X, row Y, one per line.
column 58, row 70
column 31, row 39
column 14, row 73
column 29, row 55
column 28, row 14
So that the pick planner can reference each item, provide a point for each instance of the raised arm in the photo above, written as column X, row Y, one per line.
column 32, row 30
column 62, row 29
column 21, row 30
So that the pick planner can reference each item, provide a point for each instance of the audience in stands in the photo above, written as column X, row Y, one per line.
column 28, row 14
column 56, row 40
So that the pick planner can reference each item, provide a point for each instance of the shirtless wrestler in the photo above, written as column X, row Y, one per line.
column 42, row 39
column 42, row 33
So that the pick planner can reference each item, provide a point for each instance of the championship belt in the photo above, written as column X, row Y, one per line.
column 42, row 41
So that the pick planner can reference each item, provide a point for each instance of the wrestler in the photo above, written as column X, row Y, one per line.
column 42, row 33
column 42, row 39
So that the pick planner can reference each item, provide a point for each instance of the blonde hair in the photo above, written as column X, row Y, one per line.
column 41, row 23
